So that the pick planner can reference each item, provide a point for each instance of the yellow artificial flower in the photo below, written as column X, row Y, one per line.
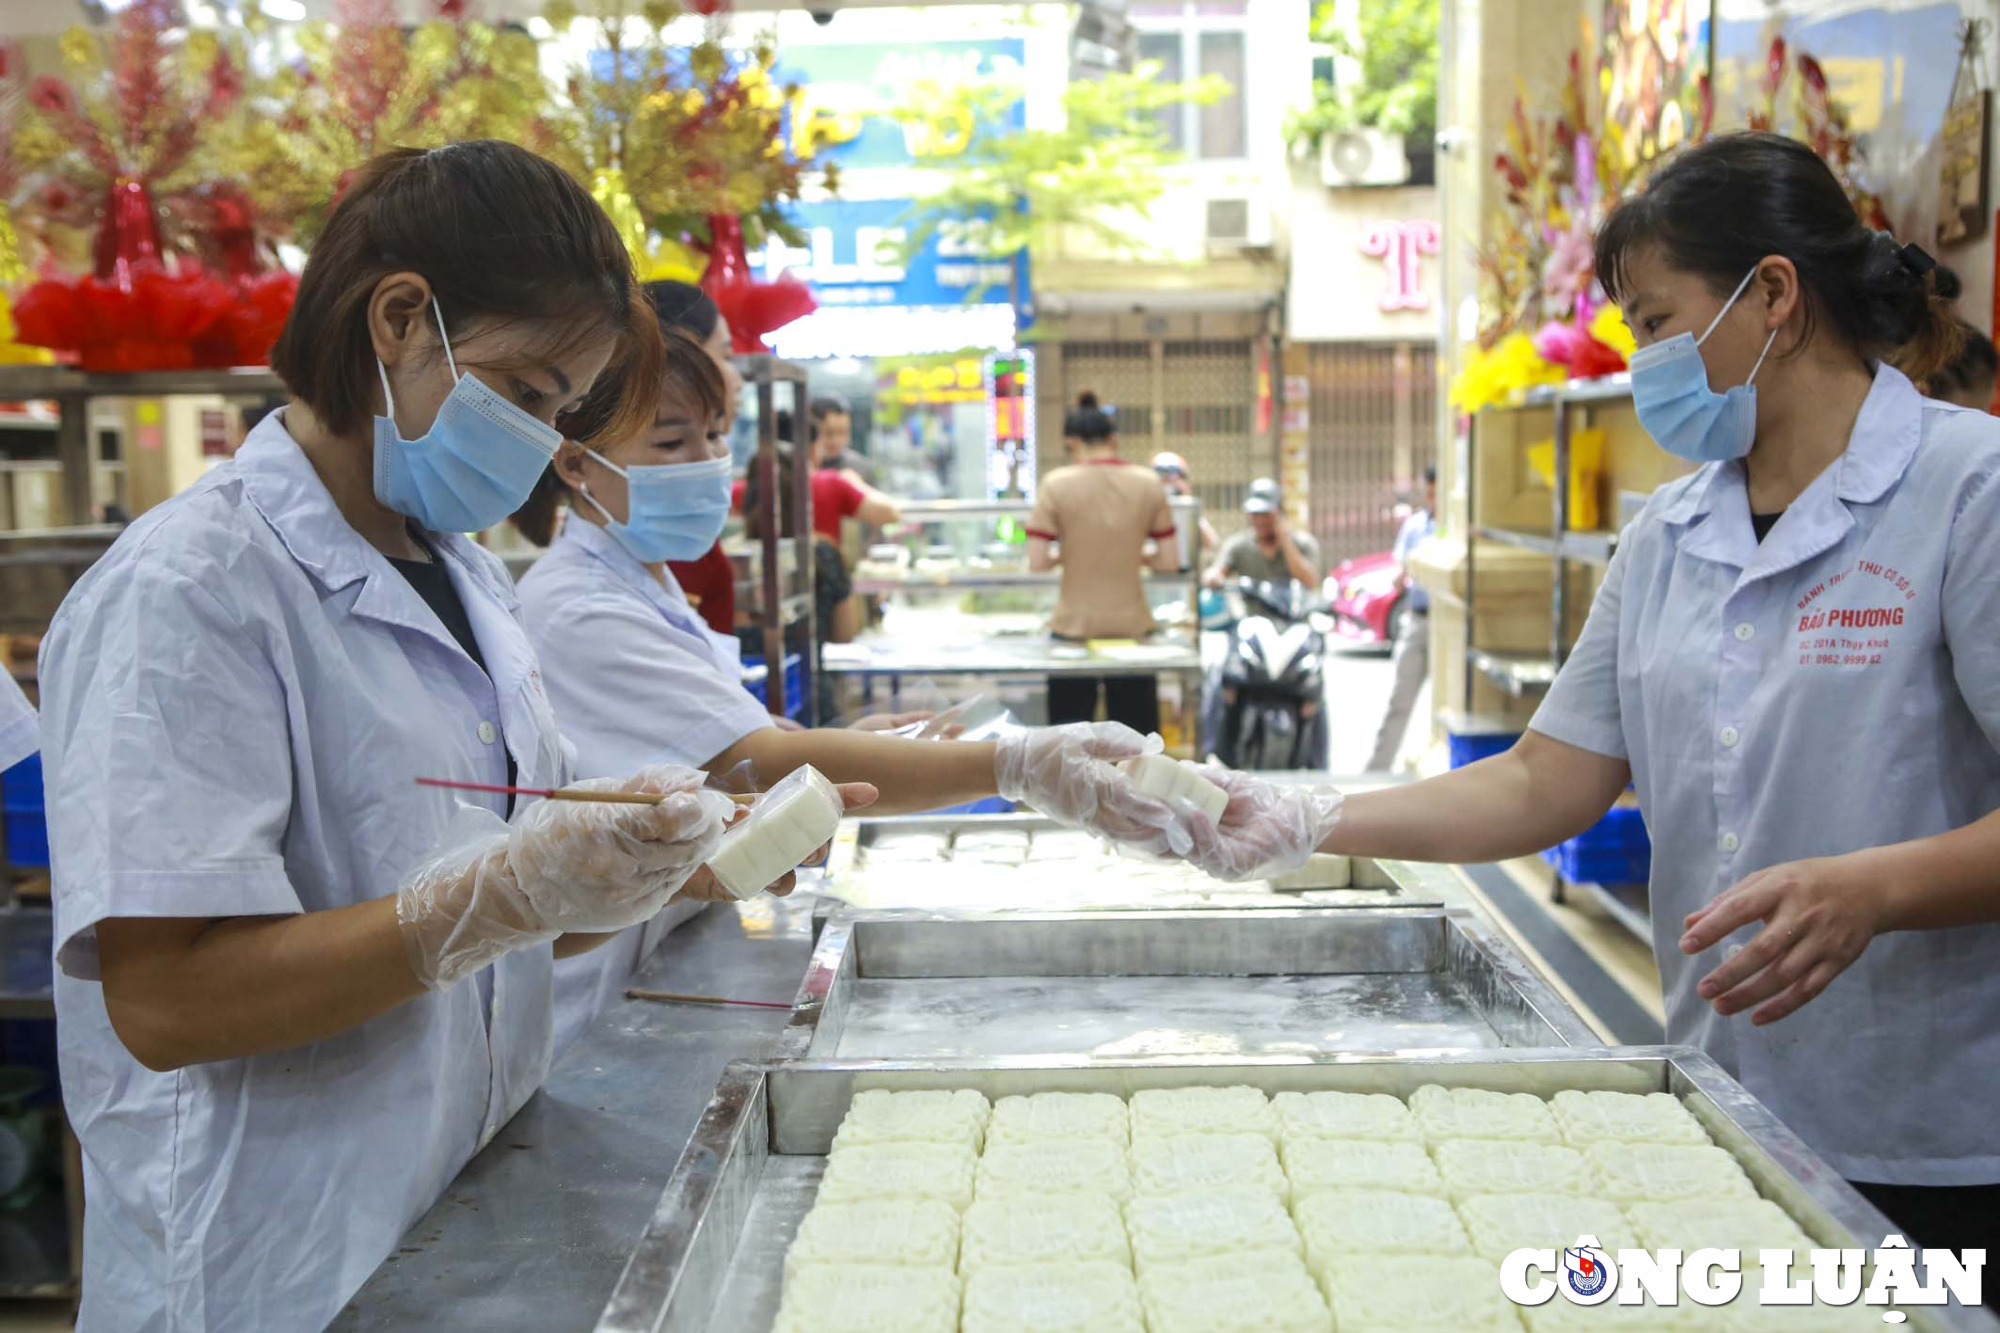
column 1608, row 327
column 1502, row 374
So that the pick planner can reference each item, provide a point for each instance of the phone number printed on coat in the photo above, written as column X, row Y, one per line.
column 1853, row 636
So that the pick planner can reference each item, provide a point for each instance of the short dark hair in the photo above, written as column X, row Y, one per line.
column 682, row 305
column 501, row 235
column 826, row 405
column 1720, row 207
column 1088, row 422
column 1430, row 474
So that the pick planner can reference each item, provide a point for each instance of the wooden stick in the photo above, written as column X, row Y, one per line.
column 566, row 793
column 670, row 997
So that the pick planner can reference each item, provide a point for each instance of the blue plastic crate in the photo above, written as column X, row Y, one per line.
column 1615, row 850
column 795, row 684
column 27, row 838
column 21, row 785
column 1472, row 747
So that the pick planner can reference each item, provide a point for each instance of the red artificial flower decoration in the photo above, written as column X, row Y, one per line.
column 752, row 308
column 1573, row 348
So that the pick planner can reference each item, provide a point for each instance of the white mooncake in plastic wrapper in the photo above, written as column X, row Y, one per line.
column 1255, row 1291
column 1315, row 1165
column 1053, row 1298
column 1378, row 1291
column 1722, row 1224
column 869, row 1298
column 1206, row 1161
column 1238, row 1110
column 1475, row 1113
column 787, row 825
column 1056, row 1166
column 1170, row 780
column 909, row 1233
column 1322, row 870
column 1561, row 1315
column 1499, row 1224
column 1338, row 1223
column 1344, row 1115
column 1067, row 845
column 1168, row 1228
column 1662, row 1173
column 914, row 1117
column 1587, row 1118
column 1745, row 1315
column 1013, row 1229
column 1506, row 1166
column 1060, row 1115
column 941, row 1171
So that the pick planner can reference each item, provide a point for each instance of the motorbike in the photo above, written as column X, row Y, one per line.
column 1264, row 703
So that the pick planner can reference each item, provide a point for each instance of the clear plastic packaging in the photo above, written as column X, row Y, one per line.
column 785, row 827
column 1167, row 779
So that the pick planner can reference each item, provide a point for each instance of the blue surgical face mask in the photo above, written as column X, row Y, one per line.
column 476, row 464
column 674, row 511
column 1678, row 409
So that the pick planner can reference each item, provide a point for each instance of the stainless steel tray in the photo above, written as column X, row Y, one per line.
column 882, row 863
column 712, row 1256
column 1123, row 985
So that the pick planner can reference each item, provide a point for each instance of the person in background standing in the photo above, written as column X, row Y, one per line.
column 710, row 580
column 1269, row 551
column 833, row 439
column 1102, row 511
column 1412, row 630
column 1172, row 470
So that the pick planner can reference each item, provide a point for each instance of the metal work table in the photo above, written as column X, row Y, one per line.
column 535, row 1231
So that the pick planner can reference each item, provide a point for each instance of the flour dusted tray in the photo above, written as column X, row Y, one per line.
column 1025, row 862
column 711, row 1258
column 1123, row 985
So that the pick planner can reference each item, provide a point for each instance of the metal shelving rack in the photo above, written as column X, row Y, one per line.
column 1522, row 674
column 784, row 588
column 1516, row 673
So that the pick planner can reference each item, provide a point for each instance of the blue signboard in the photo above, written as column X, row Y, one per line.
column 850, row 253
column 846, row 92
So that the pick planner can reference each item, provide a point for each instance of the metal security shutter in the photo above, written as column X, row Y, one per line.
column 1208, row 393
column 1121, row 375
column 1372, row 432
column 1196, row 397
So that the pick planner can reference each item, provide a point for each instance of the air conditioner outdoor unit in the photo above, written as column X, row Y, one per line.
column 1238, row 224
column 1363, row 157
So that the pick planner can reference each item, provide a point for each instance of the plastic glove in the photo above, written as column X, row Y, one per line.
column 564, row 866
column 1265, row 830
column 1068, row 773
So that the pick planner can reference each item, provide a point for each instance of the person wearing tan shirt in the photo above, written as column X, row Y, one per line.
column 1103, row 512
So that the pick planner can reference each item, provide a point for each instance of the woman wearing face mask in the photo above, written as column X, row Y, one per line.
column 637, row 679
column 298, row 992
column 1792, row 656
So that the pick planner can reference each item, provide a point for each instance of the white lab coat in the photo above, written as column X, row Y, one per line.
column 236, row 699
column 18, row 726
column 637, row 678
column 1832, row 689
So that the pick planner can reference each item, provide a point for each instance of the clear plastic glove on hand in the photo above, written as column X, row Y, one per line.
column 1070, row 774
column 1265, row 830
column 565, row 866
